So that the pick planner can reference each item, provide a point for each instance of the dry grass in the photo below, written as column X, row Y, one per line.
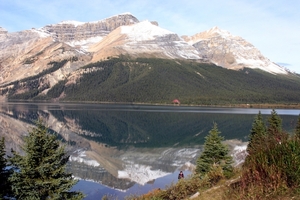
column 223, row 190
column 215, row 193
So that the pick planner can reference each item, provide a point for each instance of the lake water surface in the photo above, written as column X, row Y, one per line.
column 121, row 150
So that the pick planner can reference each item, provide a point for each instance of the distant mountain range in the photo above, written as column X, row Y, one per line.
column 120, row 59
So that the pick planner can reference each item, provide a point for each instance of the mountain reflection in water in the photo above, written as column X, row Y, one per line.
column 130, row 148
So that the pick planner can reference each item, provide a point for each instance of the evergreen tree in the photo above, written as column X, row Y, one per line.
column 4, row 172
column 215, row 154
column 257, row 134
column 274, row 162
column 40, row 173
column 274, row 123
column 275, row 132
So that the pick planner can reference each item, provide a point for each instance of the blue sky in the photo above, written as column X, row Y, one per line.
column 271, row 26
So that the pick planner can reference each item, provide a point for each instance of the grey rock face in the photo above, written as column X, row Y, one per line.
column 147, row 39
column 229, row 51
column 2, row 30
column 28, row 53
column 68, row 30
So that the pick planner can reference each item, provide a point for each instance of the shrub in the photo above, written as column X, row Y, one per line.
column 184, row 187
column 272, row 168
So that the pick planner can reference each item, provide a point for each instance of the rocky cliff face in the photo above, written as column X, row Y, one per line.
column 68, row 31
column 144, row 39
column 29, row 53
column 2, row 31
column 229, row 51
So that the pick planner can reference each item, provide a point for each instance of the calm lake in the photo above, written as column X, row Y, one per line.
column 122, row 150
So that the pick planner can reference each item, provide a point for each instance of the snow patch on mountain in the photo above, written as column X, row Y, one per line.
column 184, row 50
column 85, row 44
column 233, row 52
column 42, row 33
column 264, row 65
column 144, row 30
column 145, row 37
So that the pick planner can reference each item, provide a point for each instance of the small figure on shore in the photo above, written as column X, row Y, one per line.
column 180, row 175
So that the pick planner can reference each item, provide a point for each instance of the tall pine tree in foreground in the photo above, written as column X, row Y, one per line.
column 257, row 134
column 274, row 123
column 274, row 131
column 40, row 173
column 4, row 172
column 215, row 154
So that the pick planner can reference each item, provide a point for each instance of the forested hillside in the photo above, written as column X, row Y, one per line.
column 151, row 80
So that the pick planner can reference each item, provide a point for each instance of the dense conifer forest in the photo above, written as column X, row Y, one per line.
column 152, row 80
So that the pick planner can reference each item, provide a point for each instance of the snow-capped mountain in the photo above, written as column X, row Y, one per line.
column 232, row 52
column 71, row 31
column 144, row 39
column 31, row 52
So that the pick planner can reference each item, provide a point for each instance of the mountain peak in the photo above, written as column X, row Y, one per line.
column 125, row 34
column 217, row 31
column 3, row 30
column 229, row 51
column 119, row 16
column 78, row 23
column 125, row 13
column 144, row 39
column 144, row 30
column 208, row 34
column 74, row 31
column 72, row 22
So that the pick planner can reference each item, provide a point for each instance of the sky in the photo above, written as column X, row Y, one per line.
column 271, row 26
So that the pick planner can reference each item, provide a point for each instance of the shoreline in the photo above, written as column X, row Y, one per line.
column 256, row 105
